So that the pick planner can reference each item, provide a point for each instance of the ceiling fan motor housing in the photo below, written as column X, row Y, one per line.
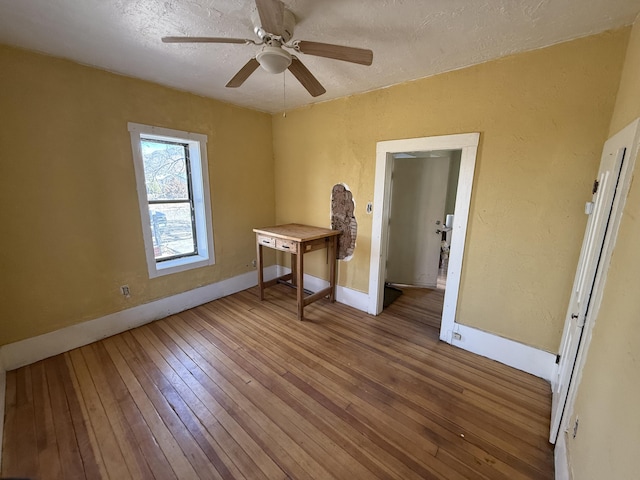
column 288, row 24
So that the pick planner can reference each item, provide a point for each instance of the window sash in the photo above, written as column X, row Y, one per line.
column 189, row 200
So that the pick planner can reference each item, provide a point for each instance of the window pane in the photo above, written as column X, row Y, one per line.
column 165, row 170
column 171, row 230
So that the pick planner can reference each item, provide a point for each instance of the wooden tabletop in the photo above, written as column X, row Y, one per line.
column 297, row 232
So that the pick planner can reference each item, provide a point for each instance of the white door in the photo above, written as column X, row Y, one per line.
column 418, row 196
column 599, row 210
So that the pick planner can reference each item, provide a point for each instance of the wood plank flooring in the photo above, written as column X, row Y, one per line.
column 239, row 388
column 419, row 306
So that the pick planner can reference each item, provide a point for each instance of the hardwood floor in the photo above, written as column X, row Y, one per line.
column 419, row 306
column 239, row 388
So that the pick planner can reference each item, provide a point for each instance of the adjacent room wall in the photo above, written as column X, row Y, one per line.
column 543, row 118
column 606, row 444
column 71, row 231
column 414, row 246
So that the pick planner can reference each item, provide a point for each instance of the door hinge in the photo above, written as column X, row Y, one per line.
column 557, row 359
column 596, row 184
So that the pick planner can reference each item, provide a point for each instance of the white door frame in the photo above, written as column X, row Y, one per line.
column 468, row 143
column 628, row 137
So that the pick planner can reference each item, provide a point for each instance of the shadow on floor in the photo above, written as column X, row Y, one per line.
column 391, row 294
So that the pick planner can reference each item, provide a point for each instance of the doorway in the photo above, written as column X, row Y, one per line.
column 467, row 145
column 421, row 214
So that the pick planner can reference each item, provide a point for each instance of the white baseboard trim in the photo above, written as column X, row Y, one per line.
column 347, row 296
column 523, row 357
column 15, row 355
column 25, row 352
column 353, row 298
column 517, row 355
column 561, row 458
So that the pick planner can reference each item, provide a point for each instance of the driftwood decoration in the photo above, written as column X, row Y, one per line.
column 343, row 219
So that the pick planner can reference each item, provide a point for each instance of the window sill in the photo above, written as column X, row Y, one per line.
column 179, row 265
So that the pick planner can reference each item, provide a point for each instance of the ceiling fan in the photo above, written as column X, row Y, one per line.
column 273, row 25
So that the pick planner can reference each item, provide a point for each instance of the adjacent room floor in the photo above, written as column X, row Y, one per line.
column 238, row 388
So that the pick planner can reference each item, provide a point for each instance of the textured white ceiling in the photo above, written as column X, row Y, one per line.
column 410, row 38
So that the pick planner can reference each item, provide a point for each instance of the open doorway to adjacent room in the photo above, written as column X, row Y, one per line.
column 421, row 206
column 421, row 214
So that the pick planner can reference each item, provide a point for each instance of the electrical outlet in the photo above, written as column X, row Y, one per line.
column 253, row 263
column 125, row 291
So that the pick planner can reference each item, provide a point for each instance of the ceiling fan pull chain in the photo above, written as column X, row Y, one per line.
column 284, row 94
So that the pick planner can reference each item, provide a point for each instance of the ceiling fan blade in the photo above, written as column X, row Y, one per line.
column 205, row 40
column 271, row 14
column 306, row 78
column 240, row 77
column 337, row 52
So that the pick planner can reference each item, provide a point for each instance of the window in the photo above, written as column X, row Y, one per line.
column 173, row 192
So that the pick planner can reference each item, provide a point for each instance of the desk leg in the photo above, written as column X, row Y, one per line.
column 294, row 269
column 332, row 267
column 300, row 284
column 260, row 272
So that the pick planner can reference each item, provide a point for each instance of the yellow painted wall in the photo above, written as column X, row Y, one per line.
column 608, row 439
column 543, row 117
column 69, row 217
column 70, row 206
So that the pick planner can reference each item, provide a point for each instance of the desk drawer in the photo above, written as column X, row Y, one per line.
column 267, row 241
column 286, row 245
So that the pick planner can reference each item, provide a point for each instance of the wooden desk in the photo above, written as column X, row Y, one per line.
column 297, row 240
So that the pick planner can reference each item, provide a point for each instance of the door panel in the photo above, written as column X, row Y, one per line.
column 597, row 226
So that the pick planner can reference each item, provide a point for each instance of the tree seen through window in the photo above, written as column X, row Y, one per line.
column 169, row 193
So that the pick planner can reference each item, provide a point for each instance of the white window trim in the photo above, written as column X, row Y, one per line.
column 202, row 202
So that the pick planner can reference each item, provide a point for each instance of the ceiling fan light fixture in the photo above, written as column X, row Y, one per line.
column 274, row 59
